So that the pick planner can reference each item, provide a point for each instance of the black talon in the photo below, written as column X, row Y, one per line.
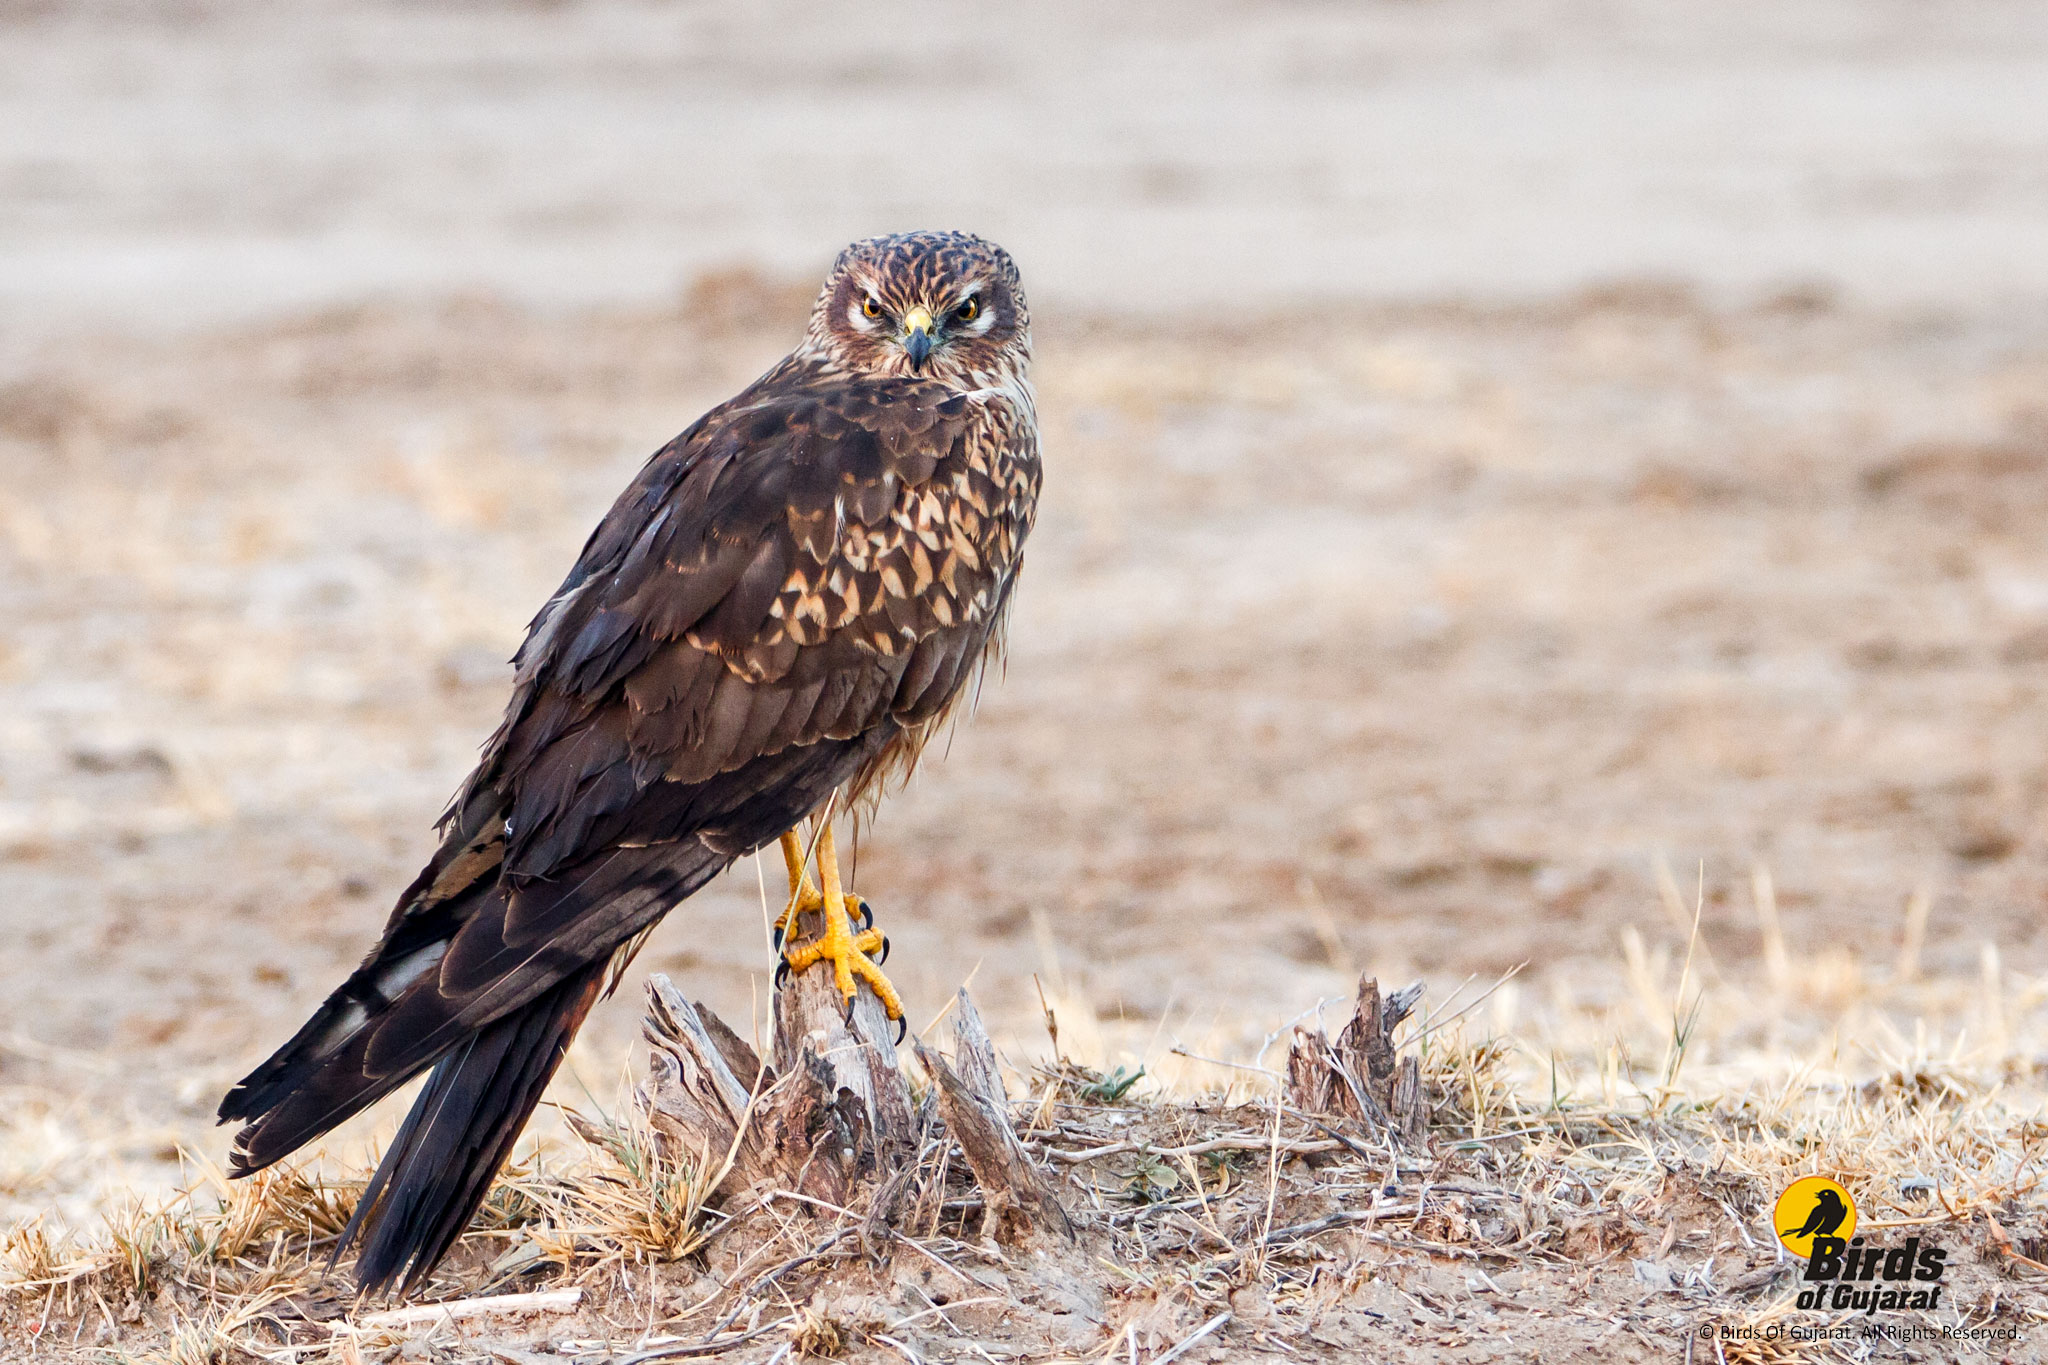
column 902, row 1028
column 883, row 956
column 777, row 934
column 867, row 916
column 781, row 973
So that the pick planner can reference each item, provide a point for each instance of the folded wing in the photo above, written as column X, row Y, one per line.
column 785, row 593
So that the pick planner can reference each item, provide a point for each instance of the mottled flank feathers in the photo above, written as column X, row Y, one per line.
column 783, row 605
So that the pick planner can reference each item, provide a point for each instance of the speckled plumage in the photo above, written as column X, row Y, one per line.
column 782, row 606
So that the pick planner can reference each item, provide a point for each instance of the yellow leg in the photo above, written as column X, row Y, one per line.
column 848, row 951
column 803, row 897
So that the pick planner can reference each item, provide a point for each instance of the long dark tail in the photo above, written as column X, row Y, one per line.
column 485, row 977
column 460, row 1130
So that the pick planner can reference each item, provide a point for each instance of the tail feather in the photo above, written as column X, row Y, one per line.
column 319, row 1076
column 484, row 975
column 401, row 1012
column 460, row 1130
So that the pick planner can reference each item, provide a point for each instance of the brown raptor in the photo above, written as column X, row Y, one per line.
column 770, row 621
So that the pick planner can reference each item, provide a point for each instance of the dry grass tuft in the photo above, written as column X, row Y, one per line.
column 1598, row 1176
column 32, row 1258
column 633, row 1200
column 277, row 1204
column 816, row 1335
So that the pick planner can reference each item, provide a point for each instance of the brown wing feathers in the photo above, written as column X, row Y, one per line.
column 754, row 623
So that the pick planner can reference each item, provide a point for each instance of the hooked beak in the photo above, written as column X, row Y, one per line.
column 917, row 335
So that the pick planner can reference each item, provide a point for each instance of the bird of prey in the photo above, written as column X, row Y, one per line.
column 1827, row 1215
column 789, row 599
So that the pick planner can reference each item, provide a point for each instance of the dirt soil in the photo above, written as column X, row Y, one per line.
column 1413, row 642
column 1424, row 583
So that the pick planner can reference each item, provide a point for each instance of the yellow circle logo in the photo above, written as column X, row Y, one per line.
column 1813, row 1207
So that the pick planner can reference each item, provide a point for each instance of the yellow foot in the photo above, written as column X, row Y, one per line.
column 852, row 952
column 805, row 898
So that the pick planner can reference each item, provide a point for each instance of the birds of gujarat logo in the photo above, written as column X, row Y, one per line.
column 1814, row 1206
column 1816, row 1220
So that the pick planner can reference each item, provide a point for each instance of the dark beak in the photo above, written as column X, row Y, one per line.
column 919, row 344
column 918, row 326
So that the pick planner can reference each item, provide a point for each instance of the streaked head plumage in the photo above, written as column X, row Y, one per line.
column 948, row 305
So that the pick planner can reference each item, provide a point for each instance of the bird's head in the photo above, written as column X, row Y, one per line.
column 945, row 305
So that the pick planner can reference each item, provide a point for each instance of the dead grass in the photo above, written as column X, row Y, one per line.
column 1853, row 693
column 1604, row 1196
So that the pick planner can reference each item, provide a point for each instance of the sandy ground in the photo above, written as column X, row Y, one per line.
column 197, row 158
column 1414, row 643
column 1414, row 635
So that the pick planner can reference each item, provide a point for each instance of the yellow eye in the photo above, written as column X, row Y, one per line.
column 871, row 307
column 968, row 311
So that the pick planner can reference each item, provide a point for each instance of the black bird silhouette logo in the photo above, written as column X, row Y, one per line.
column 1826, row 1217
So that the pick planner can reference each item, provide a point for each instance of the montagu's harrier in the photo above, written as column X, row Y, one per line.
column 789, row 599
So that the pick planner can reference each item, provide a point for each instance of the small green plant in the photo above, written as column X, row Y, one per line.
column 1108, row 1089
column 1152, row 1181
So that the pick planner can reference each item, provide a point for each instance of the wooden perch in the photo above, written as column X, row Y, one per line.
column 1018, row 1196
column 837, row 1109
column 1360, row 1075
column 694, row 1093
column 830, row 1118
column 851, row 1070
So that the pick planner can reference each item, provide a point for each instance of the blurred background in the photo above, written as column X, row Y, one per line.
column 1521, row 477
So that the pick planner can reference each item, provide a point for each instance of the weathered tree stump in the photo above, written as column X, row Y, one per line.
column 1360, row 1076
column 1017, row 1197
column 831, row 1117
